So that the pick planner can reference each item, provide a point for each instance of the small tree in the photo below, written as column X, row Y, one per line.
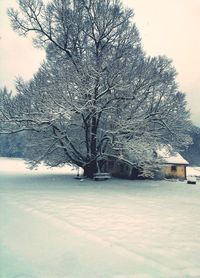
column 96, row 91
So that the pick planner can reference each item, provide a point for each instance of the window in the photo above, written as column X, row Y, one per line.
column 173, row 168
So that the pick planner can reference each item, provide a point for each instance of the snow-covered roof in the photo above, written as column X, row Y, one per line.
column 171, row 157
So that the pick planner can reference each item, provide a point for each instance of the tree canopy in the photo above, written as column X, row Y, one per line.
column 97, row 90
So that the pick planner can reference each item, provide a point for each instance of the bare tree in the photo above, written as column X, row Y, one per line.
column 96, row 91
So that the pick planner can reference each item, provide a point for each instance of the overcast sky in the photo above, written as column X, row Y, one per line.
column 167, row 27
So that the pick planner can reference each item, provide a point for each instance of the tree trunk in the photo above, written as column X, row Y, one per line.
column 90, row 169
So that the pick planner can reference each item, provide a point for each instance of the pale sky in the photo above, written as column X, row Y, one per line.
column 167, row 27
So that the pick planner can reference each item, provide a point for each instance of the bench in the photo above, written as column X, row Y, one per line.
column 101, row 176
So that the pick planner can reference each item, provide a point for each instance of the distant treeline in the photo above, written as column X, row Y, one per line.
column 192, row 153
column 14, row 145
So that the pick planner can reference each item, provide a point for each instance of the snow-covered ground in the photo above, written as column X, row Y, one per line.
column 54, row 226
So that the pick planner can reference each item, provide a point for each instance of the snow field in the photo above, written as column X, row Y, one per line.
column 55, row 226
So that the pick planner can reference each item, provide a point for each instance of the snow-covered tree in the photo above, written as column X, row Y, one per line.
column 97, row 91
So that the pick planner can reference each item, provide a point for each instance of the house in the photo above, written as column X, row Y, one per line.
column 170, row 165
column 174, row 165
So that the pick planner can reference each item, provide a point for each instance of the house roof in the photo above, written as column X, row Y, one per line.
column 171, row 157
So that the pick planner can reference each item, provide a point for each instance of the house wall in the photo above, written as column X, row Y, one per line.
column 174, row 171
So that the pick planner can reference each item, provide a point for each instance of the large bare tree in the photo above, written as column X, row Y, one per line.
column 97, row 91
